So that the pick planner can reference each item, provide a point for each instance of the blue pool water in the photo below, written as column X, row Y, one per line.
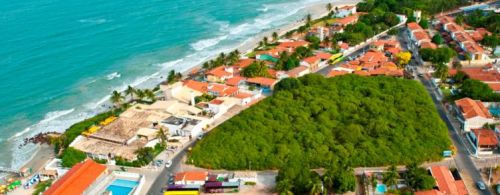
column 122, row 187
column 381, row 188
column 494, row 111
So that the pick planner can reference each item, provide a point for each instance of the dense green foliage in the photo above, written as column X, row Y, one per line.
column 491, row 41
column 419, row 179
column 173, row 77
column 71, row 156
column 477, row 90
column 356, row 120
column 407, row 6
column 204, row 98
column 437, row 39
column 437, row 56
column 256, row 69
column 480, row 18
column 287, row 62
column 223, row 59
column 424, row 23
column 42, row 186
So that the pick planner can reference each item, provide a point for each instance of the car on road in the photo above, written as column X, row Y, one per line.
column 168, row 163
column 171, row 180
column 481, row 185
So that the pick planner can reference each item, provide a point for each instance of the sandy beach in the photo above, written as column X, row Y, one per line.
column 318, row 10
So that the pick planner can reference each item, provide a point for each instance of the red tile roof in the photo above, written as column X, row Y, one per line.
column 262, row 81
column 293, row 44
column 323, row 55
column 197, row 85
column 335, row 73
column 494, row 86
column 481, row 74
column 373, row 56
column 312, row 60
column 347, row 20
column 216, row 102
column 413, row 26
column 77, row 179
column 487, row 137
column 428, row 44
column 421, row 35
column 243, row 95
column 445, row 181
column 297, row 70
column 191, row 176
column 429, row 192
column 219, row 72
column 244, row 63
column 234, row 81
column 393, row 50
column 222, row 90
column 472, row 108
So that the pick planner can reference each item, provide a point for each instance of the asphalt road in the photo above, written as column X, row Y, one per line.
column 162, row 179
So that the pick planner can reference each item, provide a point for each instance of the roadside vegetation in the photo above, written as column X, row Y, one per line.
column 333, row 123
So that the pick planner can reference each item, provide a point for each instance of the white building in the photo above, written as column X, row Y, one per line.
column 472, row 114
column 345, row 11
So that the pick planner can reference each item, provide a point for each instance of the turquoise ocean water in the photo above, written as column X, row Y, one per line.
column 60, row 59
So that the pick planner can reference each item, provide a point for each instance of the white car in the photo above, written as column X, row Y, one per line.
column 168, row 163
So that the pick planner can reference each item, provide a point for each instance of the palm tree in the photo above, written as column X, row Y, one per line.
column 261, row 44
column 162, row 136
column 140, row 94
column 130, row 91
column 391, row 176
column 222, row 58
column 116, row 98
column 275, row 36
column 150, row 95
column 329, row 7
column 308, row 18
column 264, row 40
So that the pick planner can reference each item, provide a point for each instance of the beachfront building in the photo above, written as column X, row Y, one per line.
column 186, row 126
column 81, row 179
column 345, row 11
column 343, row 22
column 472, row 114
column 220, row 74
column 446, row 183
column 372, row 63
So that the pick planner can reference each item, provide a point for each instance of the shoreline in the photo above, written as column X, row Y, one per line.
column 44, row 152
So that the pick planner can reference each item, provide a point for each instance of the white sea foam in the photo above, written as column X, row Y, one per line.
column 113, row 75
column 273, row 16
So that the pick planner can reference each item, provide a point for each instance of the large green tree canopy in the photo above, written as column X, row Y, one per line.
column 356, row 121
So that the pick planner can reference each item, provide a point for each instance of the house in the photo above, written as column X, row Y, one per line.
column 334, row 73
column 488, row 74
column 419, row 36
column 345, row 21
column 290, row 46
column 235, row 81
column 201, row 87
column 187, row 126
column 191, row 177
column 242, row 63
column 463, row 39
column 345, row 11
column 221, row 90
column 298, row 71
column 487, row 141
column 472, row 114
column 220, row 74
column 262, row 82
column 311, row 62
column 244, row 176
column 446, row 184
column 320, row 32
column 79, row 179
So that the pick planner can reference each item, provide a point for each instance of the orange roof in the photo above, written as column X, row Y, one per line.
column 196, row 85
column 471, row 108
column 428, row 44
column 219, row 72
column 429, row 192
column 293, row 44
column 191, row 176
column 344, row 46
column 312, row 60
column 393, row 50
column 481, row 74
column 242, row 63
column 361, row 73
column 323, row 55
column 494, row 86
column 414, row 26
column 335, row 73
column 243, row 95
column 483, row 31
column 234, row 81
column 77, row 179
column 445, row 181
column 347, row 20
column 373, row 56
column 216, row 102
column 347, row 7
column 297, row 70
column 487, row 137
column 262, row 81
column 222, row 90
column 272, row 72
column 421, row 35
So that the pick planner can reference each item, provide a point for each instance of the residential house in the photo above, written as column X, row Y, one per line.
column 220, row 74
column 191, row 177
column 201, row 87
column 262, row 82
column 79, row 179
column 221, row 90
column 463, row 39
column 446, row 184
column 485, row 139
column 187, row 126
column 488, row 74
column 345, row 11
column 290, row 46
column 298, row 71
column 311, row 62
column 342, row 22
column 472, row 114
column 235, row 81
column 419, row 36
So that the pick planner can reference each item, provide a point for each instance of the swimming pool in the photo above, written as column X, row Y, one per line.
column 122, row 186
column 495, row 111
column 380, row 189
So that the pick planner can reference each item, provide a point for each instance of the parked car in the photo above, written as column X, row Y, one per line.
column 171, row 180
column 168, row 163
column 481, row 185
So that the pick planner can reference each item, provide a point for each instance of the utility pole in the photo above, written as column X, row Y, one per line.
column 477, row 143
